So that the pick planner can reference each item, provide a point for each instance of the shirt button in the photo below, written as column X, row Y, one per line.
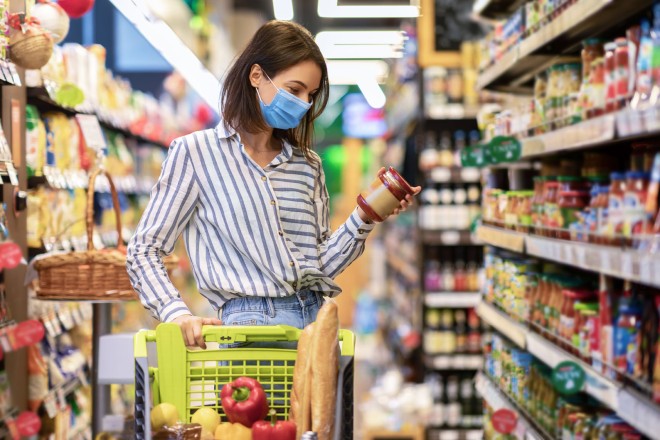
column 264, row 178
column 281, row 233
column 291, row 263
column 272, row 202
column 360, row 231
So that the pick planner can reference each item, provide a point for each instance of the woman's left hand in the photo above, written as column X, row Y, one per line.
column 405, row 204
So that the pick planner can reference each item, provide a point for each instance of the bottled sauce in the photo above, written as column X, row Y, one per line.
column 448, row 284
column 610, row 77
column 636, row 220
column 550, row 206
column 445, row 154
column 461, row 331
column 615, row 207
column 621, row 55
column 433, row 277
column 571, row 204
column 452, row 403
column 592, row 48
column 628, row 326
column 428, row 158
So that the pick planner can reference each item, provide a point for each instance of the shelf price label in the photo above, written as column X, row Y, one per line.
column 91, row 131
column 568, row 378
column 505, row 149
column 504, row 421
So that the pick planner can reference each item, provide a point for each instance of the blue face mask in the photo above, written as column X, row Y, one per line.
column 285, row 110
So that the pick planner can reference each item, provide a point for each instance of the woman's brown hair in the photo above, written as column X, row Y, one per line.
column 276, row 46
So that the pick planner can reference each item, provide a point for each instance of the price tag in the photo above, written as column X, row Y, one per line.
column 13, row 175
column 10, row 255
column 50, row 405
column 16, row 78
column 91, row 131
column 29, row 332
column 5, row 73
column 568, row 378
column 504, row 421
column 28, row 424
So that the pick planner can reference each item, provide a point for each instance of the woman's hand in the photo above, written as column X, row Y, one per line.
column 191, row 328
column 405, row 203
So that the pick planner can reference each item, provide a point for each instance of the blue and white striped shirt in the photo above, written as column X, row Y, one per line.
column 248, row 230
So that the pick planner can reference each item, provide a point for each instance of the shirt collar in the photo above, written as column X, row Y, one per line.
column 224, row 131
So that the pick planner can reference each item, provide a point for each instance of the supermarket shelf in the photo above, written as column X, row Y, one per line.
column 597, row 386
column 455, row 361
column 503, row 323
column 441, row 433
column 456, row 300
column 563, row 35
column 627, row 264
column 451, row 112
column 38, row 96
column 448, row 238
column 527, row 427
column 502, row 238
column 495, row 8
column 585, row 134
column 641, row 267
column 626, row 402
column 454, row 175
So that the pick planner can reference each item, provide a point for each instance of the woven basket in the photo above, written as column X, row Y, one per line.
column 92, row 274
column 31, row 50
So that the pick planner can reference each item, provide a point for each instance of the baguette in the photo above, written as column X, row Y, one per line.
column 324, row 360
column 300, row 373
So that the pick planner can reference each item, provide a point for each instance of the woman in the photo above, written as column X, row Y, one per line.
column 250, row 199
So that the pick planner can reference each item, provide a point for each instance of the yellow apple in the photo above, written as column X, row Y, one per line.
column 164, row 414
column 208, row 418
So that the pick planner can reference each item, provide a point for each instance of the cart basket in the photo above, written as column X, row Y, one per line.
column 192, row 379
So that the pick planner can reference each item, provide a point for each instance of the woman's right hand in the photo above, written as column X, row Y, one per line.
column 191, row 328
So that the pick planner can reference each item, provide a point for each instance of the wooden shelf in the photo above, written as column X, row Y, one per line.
column 586, row 18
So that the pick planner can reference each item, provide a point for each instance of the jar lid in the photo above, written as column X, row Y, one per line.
column 573, row 194
column 586, row 307
column 401, row 181
column 617, row 176
column 592, row 41
column 610, row 46
column 578, row 294
column 638, row 175
column 569, row 179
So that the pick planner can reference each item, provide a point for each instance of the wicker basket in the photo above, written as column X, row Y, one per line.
column 92, row 274
column 31, row 50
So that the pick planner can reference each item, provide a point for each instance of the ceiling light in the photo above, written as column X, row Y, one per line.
column 361, row 44
column 345, row 72
column 330, row 8
column 372, row 93
column 283, row 9
column 173, row 50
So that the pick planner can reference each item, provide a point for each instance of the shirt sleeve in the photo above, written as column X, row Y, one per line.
column 339, row 249
column 172, row 203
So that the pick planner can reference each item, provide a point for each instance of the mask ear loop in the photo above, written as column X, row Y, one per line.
column 271, row 81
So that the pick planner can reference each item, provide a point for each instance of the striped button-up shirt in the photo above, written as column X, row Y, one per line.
column 248, row 230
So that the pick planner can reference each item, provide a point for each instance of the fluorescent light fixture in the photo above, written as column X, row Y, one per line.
column 347, row 72
column 330, row 8
column 175, row 52
column 283, row 9
column 372, row 92
column 361, row 44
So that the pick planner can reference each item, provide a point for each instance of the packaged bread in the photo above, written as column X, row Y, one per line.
column 300, row 372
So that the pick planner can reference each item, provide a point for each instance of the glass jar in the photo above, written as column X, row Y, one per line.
column 524, row 212
column 511, row 213
column 572, row 78
column 571, row 204
column 550, row 207
column 384, row 195
column 610, row 77
column 621, row 56
column 537, row 203
column 571, row 183
column 592, row 48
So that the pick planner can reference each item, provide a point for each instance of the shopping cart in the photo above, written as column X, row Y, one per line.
column 191, row 379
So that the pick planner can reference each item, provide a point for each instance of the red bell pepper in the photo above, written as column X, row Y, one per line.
column 244, row 401
column 274, row 430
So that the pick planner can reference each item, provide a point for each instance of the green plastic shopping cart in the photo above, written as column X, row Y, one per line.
column 191, row 379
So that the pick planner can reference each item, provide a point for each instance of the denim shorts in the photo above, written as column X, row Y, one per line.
column 298, row 310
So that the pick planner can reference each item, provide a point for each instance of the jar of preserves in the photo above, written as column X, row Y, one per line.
column 537, row 204
column 511, row 210
column 524, row 212
column 610, row 77
column 551, row 212
column 597, row 89
column 592, row 48
column 571, row 183
column 621, row 56
column 384, row 195
column 571, row 204
column 569, row 320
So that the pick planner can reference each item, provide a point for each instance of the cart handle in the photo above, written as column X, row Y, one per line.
column 231, row 334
